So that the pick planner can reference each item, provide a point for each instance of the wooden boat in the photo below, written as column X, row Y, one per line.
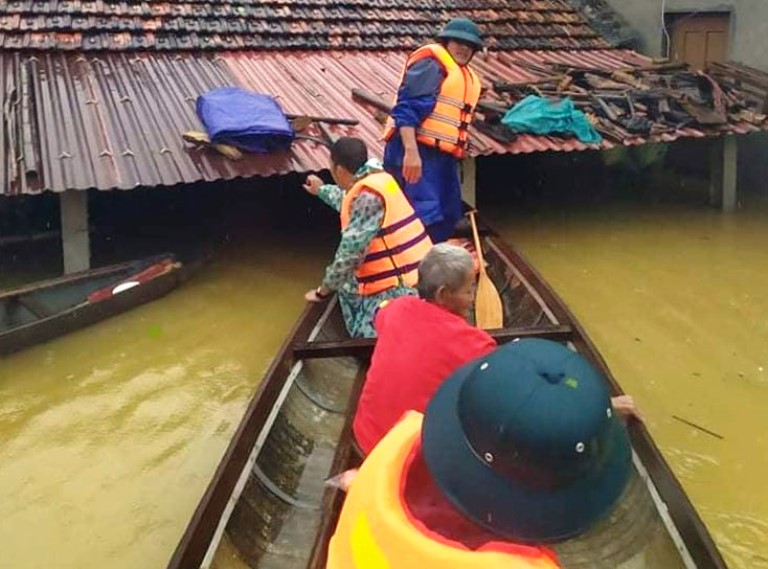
column 44, row 310
column 267, row 506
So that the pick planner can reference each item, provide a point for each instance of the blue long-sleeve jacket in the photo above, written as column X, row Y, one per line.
column 417, row 96
column 436, row 197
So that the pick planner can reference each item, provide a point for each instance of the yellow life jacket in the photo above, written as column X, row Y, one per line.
column 446, row 128
column 394, row 255
column 376, row 532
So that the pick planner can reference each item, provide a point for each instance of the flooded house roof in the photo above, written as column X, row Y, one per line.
column 109, row 114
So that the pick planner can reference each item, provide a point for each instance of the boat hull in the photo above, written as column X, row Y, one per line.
column 275, row 512
column 42, row 312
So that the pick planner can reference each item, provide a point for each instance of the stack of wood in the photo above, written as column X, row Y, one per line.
column 648, row 101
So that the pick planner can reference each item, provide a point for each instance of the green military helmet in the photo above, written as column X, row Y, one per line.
column 464, row 30
column 525, row 443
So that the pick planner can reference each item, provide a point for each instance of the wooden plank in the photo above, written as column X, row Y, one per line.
column 327, row 120
column 469, row 181
column 660, row 67
column 368, row 98
column 607, row 109
column 363, row 347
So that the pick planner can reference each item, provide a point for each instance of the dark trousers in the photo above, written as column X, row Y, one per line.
column 442, row 230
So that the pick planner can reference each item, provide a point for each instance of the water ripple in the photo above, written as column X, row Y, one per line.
column 742, row 538
column 689, row 465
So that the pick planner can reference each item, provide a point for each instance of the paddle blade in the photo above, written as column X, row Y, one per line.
column 489, row 313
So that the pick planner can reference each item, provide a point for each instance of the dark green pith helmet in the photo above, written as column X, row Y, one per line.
column 464, row 30
column 525, row 443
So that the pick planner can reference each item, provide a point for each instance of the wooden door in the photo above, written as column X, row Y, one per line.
column 699, row 39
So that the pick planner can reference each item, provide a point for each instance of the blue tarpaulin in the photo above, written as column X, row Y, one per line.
column 250, row 121
column 537, row 115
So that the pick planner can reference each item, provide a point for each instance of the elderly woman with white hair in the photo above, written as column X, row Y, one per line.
column 421, row 341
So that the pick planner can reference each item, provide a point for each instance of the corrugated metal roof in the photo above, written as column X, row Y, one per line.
column 114, row 121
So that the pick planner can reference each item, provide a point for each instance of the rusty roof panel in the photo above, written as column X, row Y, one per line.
column 114, row 121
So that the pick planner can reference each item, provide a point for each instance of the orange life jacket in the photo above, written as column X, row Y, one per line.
column 375, row 531
column 446, row 128
column 394, row 255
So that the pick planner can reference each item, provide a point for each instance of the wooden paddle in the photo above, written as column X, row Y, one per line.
column 489, row 313
column 300, row 123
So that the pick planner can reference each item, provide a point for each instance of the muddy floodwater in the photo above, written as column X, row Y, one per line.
column 109, row 436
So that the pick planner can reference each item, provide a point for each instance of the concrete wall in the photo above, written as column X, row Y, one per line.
column 749, row 24
column 748, row 44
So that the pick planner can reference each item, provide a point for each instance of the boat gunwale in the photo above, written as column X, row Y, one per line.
column 74, row 278
column 691, row 528
column 363, row 347
column 84, row 314
column 346, row 452
column 194, row 543
column 87, row 313
column 265, row 430
column 696, row 539
column 693, row 532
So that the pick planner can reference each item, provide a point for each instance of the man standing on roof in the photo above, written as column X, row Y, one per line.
column 382, row 239
column 427, row 132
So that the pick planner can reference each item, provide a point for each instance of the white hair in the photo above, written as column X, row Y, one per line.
column 446, row 266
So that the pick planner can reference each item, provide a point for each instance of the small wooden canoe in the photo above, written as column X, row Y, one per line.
column 267, row 506
column 44, row 310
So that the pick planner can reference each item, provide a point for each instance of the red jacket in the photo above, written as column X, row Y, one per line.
column 419, row 345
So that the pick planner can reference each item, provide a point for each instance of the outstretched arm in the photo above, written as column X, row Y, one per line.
column 366, row 217
column 331, row 194
column 625, row 406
